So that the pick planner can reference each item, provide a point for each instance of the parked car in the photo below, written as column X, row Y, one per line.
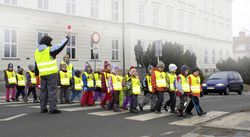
column 223, row 82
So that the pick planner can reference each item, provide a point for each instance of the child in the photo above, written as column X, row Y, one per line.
column 97, row 86
column 10, row 82
column 148, row 91
column 77, row 86
column 20, row 84
column 88, row 85
column 64, row 83
column 31, row 83
column 127, row 99
column 115, row 86
column 104, row 79
column 134, row 86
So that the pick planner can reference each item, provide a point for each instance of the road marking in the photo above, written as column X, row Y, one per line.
column 146, row 117
column 195, row 135
column 59, row 105
column 79, row 108
column 20, row 105
column 108, row 113
column 167, row 133
column 20, row 102
column 13, row 117
column 199, row 119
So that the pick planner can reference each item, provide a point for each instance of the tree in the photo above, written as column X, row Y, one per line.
column 139, row 54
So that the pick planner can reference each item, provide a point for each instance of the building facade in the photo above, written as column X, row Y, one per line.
column 241, row 45
column 202, row 26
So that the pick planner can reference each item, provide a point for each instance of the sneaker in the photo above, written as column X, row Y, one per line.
column 13, row 99
column 56, row 111
column 202, row 113
column 36, row 101
column 134, row 110
column 44, row 110
column 17, row 100
column 7, row 100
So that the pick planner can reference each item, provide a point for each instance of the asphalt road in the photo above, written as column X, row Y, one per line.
column 24, row 120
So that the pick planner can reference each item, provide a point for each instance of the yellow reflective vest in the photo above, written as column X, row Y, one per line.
column 98, row 82
column 78, row 83
column 64, row 78
column 32, row 78
column 69, row 68
column 11, row 75
column 160, row 79
column 149, row 83
column 46, row 65
column 20, row 80
column 136, row 85
column 195, row 84
column 184, row 83
column 90, row 79
column 117, row 82
column 172, row 78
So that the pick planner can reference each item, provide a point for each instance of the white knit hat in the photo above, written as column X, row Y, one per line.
column 172, row 67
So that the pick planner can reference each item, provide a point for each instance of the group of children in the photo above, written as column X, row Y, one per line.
column 116, row 92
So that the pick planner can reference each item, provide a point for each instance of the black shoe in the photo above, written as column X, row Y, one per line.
column 202, row 113
column 17, row 100
column 140, row 107
column 157, row 112
column 7, row 100
column 44, row 110
column 152, row 110
column 13, row 99
column 62, row 102
column 56, row 111
column 36, row 101
column 172, row 111
column 134, row 110
column 188, row 113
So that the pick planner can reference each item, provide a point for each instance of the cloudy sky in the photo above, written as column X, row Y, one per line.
column 241, row 16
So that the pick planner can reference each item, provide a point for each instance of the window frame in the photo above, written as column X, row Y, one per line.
column 114, row 11
column 71, row 3
column 95, row 8
column 10, row 44
column 116, row 50
column 43, row 5
column 69, row 46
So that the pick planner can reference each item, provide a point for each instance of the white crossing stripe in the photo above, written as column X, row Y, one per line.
column 20, row 102
column 13, row 117
column 20, row 105
column 199, row 119
column 59, row 105
column 3, row 97
column 146, row 117
column 79, row 108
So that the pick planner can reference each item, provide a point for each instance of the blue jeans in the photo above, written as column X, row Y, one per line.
column 75, row 93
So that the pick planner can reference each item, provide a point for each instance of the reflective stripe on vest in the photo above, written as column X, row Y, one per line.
column 98, row 82
column 78, row 83
column 172, row 78
column 184, row 83
column 32, row 78
column 196, row 84
column 45, row 64
column 64, row 78
column 149, row 83
column 160, row 79
column 20, row 80
column 69, row 68
column 117, row 82
column 136, row 86
column 90, row 79
column 11, row 77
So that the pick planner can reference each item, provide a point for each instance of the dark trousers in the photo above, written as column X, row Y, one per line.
column 160, row 99
column 20, row 91
column 114, row 104
column 64, row 94
column 134, row 102
column 194, row 102
column 171, row 102
column 33, row 91
column 49, row 91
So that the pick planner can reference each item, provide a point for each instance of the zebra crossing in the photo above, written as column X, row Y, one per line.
column 140, row 117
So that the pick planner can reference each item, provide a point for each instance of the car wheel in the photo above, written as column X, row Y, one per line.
column 227, row 91
column 240, row 91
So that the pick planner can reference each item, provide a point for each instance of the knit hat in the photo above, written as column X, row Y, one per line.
column 132, row 71
column 132, row 67
column 150, row 67
column 31, row 67
column 114, row 68
column 172, row 67
column 106, row 63
column 160, row 64
column 10, row 65
column 184, row 68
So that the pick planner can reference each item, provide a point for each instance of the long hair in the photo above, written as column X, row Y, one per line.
column 46, row 40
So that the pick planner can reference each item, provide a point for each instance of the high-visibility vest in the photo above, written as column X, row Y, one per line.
column 98, row 81
column 106, row 76
column 78, row 83
column 136, row 86
column 195, row 84
column 172, row 78
column 32, row 78
column 90, row 79
column 11, row 75
column 20, row 80
column 46, row 65
column 64, row 78
column 184, row 83
column 149, row 83
column 160, row 79
column 69, row 68
column 117, row 82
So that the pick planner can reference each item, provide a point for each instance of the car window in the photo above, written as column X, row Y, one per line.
column 239, row 76
column 219, row 75
column 236, row 77
column 231, row 76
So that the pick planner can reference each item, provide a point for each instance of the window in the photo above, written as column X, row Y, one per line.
column 94, row 50
column 190, row 22
column 40, row 35
column 115, row 50
column 94, row 8
column 115, row 10
column 10, row 2
column 141, row 13
column 156, row 16
column 206, row 57
column 181, row 20
column 169, row 17
column 43, row 4
column 213, row 57
column 71, row 47
column 10, row 43
column 70, row 6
